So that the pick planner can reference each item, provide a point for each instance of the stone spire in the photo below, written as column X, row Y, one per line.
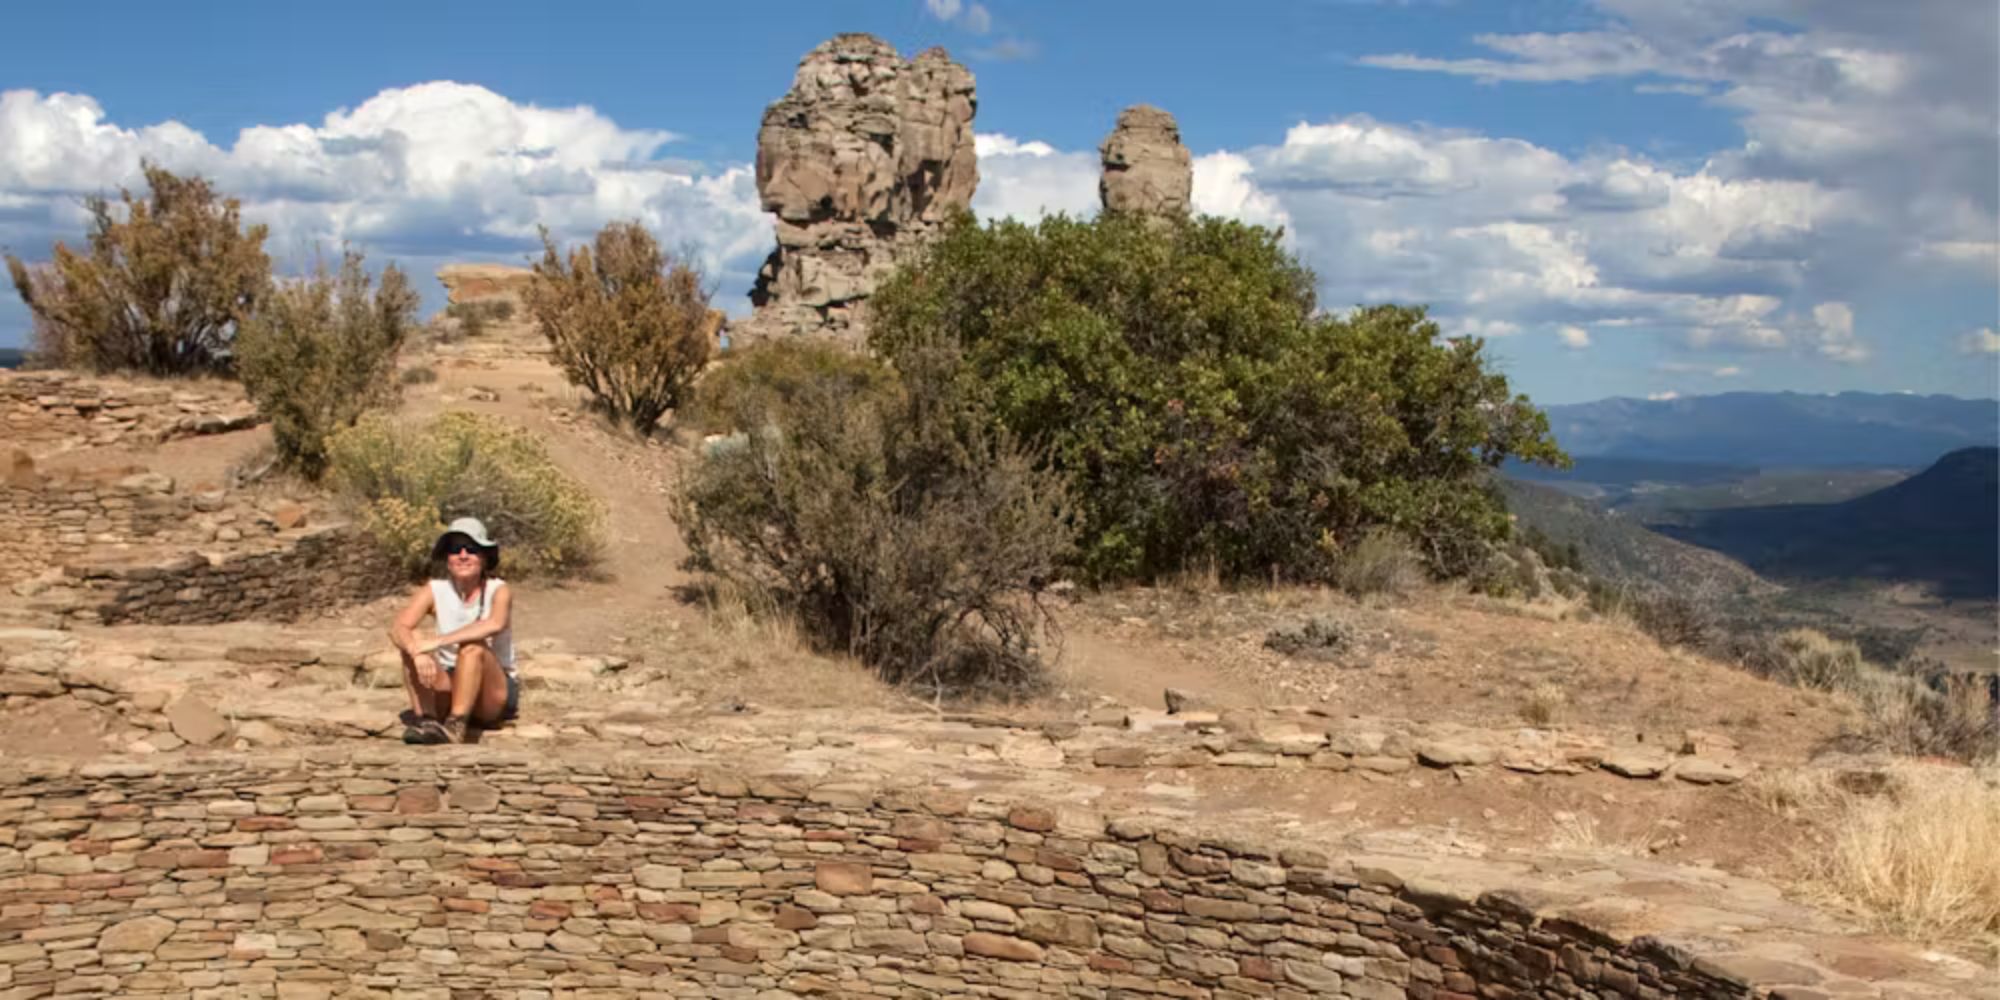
column 861, row 160
column 1146, row 169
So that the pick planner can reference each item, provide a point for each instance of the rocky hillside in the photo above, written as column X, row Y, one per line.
column 1624, row 552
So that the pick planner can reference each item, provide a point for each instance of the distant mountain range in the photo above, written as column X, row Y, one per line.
column 1941, row 526
column 1779, row 429
column 12, row 357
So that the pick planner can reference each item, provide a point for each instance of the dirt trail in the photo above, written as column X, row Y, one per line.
column 638, row 581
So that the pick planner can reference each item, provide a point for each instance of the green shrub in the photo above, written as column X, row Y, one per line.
column 472, row 317
column 1180, row 377
column 409, row 480
column 626, row 321
column 321, row 352
column 420, row 375
column 747, row 385
column 161, row 287
column 877, row 513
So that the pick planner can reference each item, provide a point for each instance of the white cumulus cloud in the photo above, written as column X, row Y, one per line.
column 973, row 17
column 1574, row 337
column 1981, row 341
column 420, row 174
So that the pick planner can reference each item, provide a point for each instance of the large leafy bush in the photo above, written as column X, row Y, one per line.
column 1179, row 375
column 161, row 286
column 321, row 352
column 410, row 480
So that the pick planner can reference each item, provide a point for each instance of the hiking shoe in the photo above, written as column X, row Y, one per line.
column 425, row 732
column 453, row 729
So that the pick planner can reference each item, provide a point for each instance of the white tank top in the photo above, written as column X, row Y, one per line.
column 454, row 614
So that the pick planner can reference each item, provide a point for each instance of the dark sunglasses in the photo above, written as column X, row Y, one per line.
column 457, row 548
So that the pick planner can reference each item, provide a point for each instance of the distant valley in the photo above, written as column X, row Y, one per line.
column 1781, row 509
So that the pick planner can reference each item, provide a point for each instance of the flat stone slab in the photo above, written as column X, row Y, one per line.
column 1712, row 770
column 1636, row 763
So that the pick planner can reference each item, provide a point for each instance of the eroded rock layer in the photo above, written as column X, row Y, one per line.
column 865, row 156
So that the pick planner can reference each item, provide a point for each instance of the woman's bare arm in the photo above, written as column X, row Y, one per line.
column 493, row 624
column 403, row 631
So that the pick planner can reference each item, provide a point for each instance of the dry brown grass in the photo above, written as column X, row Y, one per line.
column 1921, row 859
column 1581, row 833
column 1544, row 704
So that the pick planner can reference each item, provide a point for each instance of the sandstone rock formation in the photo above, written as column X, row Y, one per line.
column 1146, row 169
column 468, row 283
column 864, row 157
column 465, row 283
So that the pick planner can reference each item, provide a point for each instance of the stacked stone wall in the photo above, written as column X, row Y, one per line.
column 309, row 571
column 46, row 521
column 50, row 411
column 466, row 873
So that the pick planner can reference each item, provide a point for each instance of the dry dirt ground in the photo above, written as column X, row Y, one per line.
column 1434, row 657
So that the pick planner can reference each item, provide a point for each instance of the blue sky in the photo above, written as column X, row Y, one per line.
column 1626, row 197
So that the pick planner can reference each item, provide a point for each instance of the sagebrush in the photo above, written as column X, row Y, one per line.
column 626, row 321
column 161, row 286
column 1204, row 411
column 410, row 479
column 321, row 352
column 1379, row 562
column 889, row 524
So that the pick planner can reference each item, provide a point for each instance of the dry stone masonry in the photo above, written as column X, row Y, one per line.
column 46, row 520
column 1146, row 169
column 46, row 412
column 306, row 571
column 861, row 160
column 463, row 872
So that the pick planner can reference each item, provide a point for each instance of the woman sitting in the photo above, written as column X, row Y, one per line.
column 464, row 674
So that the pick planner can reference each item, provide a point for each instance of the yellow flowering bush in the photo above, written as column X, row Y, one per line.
column 409, row 480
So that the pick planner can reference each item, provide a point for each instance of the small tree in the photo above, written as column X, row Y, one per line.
column 626, row 321
column 321, row 352
column 162, row 286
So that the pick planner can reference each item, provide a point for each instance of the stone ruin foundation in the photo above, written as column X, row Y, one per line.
column 119, row 543
column 359, row 874
column 461, row 872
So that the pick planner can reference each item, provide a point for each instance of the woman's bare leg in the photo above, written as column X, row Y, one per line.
column 481, row 691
